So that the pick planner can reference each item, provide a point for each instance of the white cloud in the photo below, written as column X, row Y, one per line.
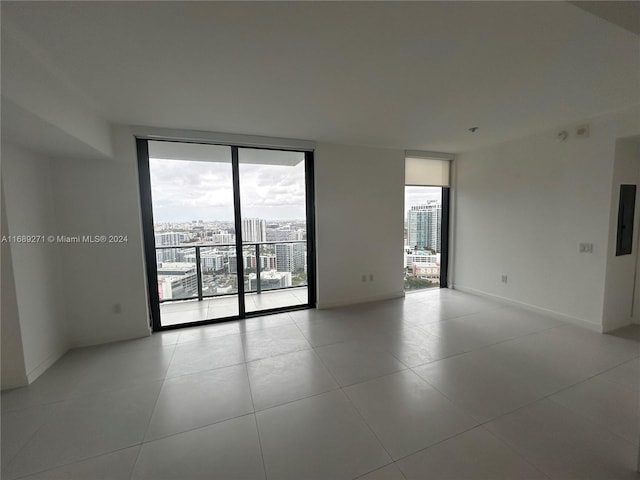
column 183, row 190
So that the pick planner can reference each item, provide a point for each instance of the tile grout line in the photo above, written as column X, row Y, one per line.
column 31, row 437
column 255, row 418
column 369, row 427
column 80, row 461
column 529, row 404
column 155, row 404
column 353, row 407
column 199, row 427
column 360, row 477
column 589, row 420
column 264, row 465
column 516, row 451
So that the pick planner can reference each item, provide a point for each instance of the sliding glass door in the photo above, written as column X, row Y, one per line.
column 274, row 228
column 227, row 231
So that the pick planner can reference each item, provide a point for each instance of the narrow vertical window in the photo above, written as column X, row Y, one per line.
column 426, row 223
column 626, row 212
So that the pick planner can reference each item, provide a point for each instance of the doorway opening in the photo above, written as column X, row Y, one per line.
column 228, row 231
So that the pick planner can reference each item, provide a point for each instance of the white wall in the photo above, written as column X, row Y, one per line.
column 101, row 198
column 523, row 207
column 14, row 373
column 359, row 201
column 619, row 289
column 359, row 221
column 36, row 266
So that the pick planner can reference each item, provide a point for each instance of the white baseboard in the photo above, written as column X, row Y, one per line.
column 92, row 341
column 44, row 365
column 595, row 327
column 354, row 301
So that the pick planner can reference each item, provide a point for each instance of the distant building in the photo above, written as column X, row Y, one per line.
column 220, row 237
column 254, row 230
column 280, row 235
column 270, row 279
column 226, row 289
column 423, row 226
column 211, row 261
column 166, row 239
column 232, row 266
column 284, row 234
column 177, row 280
column 429, row 271
column 267, row 262
column 290, row 257
column 420, row 256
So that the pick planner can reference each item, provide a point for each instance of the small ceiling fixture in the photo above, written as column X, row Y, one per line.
column 473, row 129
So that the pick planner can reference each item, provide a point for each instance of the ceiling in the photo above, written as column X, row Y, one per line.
column 410, row 75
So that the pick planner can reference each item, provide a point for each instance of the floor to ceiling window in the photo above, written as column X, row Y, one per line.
column 228, row 230
column 426, row 222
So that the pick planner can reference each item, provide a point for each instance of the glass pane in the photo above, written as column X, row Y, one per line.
column 177, row 279
column 274, row 236
column 192, row 195
column 422, row 234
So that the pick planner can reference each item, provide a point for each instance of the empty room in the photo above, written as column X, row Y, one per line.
column 320, row 240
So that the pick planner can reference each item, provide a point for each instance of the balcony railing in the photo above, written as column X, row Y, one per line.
column 190, row 272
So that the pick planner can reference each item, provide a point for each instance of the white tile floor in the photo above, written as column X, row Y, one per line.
column 175, row 313
column 438, row 385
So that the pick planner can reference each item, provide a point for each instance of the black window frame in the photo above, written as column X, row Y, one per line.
column 146, row 206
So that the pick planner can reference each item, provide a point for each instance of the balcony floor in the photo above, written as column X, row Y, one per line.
column 175, row 313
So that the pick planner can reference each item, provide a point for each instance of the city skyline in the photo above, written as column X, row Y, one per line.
column 420, row 196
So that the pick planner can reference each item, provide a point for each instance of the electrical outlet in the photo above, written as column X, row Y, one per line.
column 371, row 277
column 585, row 247
column 364, row 278
column 504, row 279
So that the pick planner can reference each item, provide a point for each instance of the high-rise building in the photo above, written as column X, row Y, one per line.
column 254, row 230
column 267, row 262
column 166, row 239
column 423, row 226
column 290, row 257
